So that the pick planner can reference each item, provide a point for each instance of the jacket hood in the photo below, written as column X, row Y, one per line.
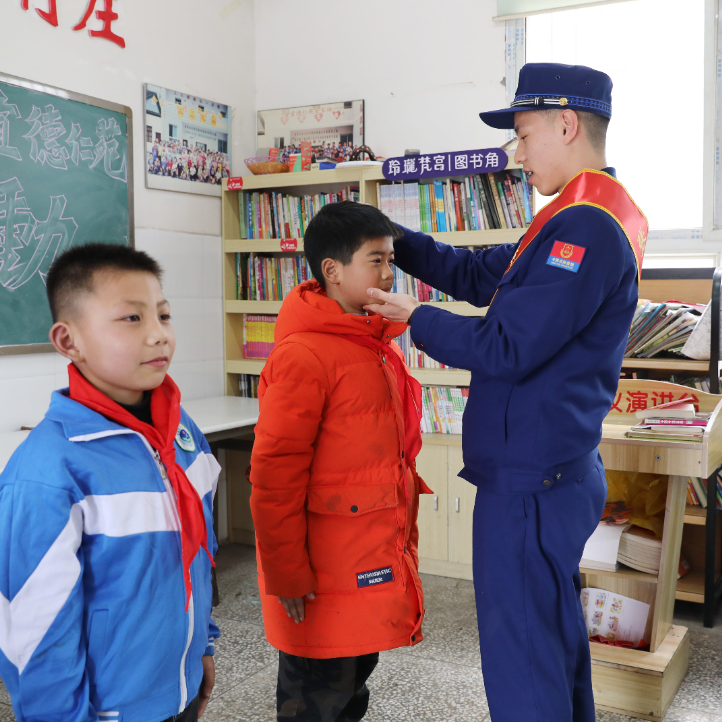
column 308, row 308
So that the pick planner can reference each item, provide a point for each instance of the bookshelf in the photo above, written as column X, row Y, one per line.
column 366, row 178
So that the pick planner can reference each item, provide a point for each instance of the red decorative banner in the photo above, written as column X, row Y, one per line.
column 235, row 184
column 289, row 244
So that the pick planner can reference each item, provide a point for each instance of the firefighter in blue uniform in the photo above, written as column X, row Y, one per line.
column 545, row 363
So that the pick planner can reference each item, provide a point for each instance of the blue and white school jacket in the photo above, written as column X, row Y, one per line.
column 92, row 602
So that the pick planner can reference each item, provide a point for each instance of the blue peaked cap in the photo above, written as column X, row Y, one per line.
column 544, row 86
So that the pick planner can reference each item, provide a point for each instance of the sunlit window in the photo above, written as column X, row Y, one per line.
column 654, row 52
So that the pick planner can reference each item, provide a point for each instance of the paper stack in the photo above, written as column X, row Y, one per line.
column 673, row 421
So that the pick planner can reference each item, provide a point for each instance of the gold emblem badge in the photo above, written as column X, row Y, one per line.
column 567, row 250
column 642, row 241
column 563, row 101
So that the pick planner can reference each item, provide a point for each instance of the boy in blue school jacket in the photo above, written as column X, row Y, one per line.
column 106, row 529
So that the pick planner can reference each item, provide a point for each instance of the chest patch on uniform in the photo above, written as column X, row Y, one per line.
column 377, row 576
column 566, row 256
column 184, row 439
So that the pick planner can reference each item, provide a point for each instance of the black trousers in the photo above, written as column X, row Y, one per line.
column 189, row 714
column 323, row 690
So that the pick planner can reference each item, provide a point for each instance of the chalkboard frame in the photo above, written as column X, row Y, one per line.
column 100, row 103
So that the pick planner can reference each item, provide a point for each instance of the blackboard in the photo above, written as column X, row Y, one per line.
column 66, row 177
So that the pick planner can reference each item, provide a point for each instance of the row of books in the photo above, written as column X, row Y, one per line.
column 280, row 215
column 248, row 385
column 701, row 383
column 659, row 327
column 475, row 203
column 258, row 335
column 697, row 492
column 269, row 278
column 416, row 358
column 443, row 407
column 406, row 283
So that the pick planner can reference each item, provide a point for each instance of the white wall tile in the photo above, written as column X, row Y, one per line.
column 22, row 365
column 212, row 329
column 180, row 255
column 190, row 378
column 187, row 318
column 24, row 401
column 212, row 267
column 214, row 382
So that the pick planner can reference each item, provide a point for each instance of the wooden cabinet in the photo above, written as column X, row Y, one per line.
column 446, row 516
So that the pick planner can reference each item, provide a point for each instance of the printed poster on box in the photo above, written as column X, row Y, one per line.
column 187, row 142
column 334, row 130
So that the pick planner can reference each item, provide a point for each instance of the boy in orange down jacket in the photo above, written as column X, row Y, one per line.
column 335, row 488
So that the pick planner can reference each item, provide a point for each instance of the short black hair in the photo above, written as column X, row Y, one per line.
column 73, row 271
column 338, row 230
column 595, row 126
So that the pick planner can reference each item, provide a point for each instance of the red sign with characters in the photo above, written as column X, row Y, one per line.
column 107, row 16
column 235, row 183
column 289, row 244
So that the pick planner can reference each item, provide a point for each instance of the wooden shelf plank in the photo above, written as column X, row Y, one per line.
column 269, row 307
column 452, row 238
column 695, row 515
column 690, row 588
column 622, row 573
column 442, row 377
column 245, row 366
column 342, row 176
column 428, row 377
column 273, row 307
column 665, row 363
column 259, row 245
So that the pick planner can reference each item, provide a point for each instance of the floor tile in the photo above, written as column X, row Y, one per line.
column 252, row 701
column 6, row 713
column 450, row 629
column 680, row 714
column 702, row 687
column 4, row 696
column 406, row 688
column 238, row 584
column 241, row 652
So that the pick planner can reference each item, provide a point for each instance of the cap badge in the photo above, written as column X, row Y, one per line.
column 563, row 101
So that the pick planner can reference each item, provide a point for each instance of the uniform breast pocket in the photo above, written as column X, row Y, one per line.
column 354, row 537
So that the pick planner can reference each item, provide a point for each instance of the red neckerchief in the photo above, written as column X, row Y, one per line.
column 409, row 391
column 165, row 410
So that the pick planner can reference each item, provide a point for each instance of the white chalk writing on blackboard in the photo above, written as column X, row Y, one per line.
column 27, row 245
column 7, row 111
column 48, row 128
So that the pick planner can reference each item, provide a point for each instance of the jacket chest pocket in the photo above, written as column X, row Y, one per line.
column 355, row 542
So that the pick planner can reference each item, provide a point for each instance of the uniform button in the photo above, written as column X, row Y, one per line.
column 383, row 358
column 420, row 346
column 413, row 637
column 354, row 508
column 558, row 476
column 368, row 321
column 388, row 335
column 547, row 482
column 404, row 550
column 402, row 454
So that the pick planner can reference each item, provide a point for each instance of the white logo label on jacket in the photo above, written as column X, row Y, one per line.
column 184, row 439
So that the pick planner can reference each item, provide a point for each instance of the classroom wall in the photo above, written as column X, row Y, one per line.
column 205, row 48
column 425, row 69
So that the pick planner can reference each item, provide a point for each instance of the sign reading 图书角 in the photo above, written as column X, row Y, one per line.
column 437, row 165
column 65, row 179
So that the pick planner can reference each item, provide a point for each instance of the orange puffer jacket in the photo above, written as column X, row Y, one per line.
column 334, row 501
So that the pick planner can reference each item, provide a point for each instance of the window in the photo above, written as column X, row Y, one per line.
column 654, row 52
